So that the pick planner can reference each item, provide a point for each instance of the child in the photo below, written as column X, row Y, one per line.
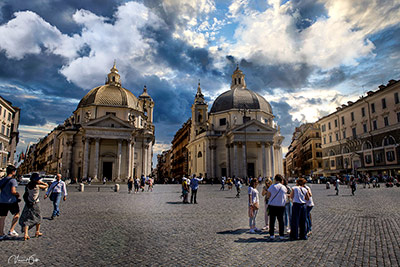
column 254, row 204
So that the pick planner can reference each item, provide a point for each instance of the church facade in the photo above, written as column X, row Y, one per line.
column 110, row 135
column 238, row 137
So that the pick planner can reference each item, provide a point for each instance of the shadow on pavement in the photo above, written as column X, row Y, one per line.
column 10, row 238
column 233, row 232
column 176, row 202
column 260, row 240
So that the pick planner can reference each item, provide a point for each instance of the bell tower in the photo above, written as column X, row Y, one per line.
column 113, row 78
column 238, row 79
column 199, row 114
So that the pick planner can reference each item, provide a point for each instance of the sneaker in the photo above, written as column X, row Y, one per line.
column 13, row 234
column 288, row 231
column 281, row 237
column 257, row 230
column 271, row 237
column 3, row 237
column 252, row 231
column 265, row 228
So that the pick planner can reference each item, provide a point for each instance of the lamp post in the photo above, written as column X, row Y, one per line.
column 245, row 111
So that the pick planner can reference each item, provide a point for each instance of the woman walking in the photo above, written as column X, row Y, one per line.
column 254, row 204
column 31, row 213
column 299, row 195
column 130, row 184
column 136, row 183
column 268, row 183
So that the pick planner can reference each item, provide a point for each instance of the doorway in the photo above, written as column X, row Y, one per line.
column 223, row 171
column 250, row 170
column 108, row 170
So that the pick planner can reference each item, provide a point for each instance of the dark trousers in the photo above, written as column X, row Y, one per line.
column 194, row 195
column 299, row 212
column 276, row 212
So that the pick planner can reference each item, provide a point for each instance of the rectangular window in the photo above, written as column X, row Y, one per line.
column 373, row 108
column 335, row 123
column 332, row 163
column 329, row 125
column 365, row 127
column 390, row 156
column 396, row 98
column 8, row 131
column 222, row 122
column 330, row 139
column 4, row 114
column 337, row 137
column 386, row 120
column 1, row 146
column 363, row 112
column 374, row 124
column 324, row 140
column 352, row 116
column 354, row 131
column 323, row 128
column 383, row 103
column 344, row 134
column 9, row 116
column 3, row 129
column 398, row 116
column 368, row 159
column 342, row 120
column 317, row 134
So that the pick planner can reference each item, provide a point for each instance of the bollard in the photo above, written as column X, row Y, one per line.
column 116, row 188
column 81, row 187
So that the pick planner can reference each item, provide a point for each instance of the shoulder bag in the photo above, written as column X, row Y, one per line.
column 52, row 196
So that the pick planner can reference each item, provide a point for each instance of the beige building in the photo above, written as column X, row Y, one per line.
column 110, row 134
column 304, row 156
column 9, row 123
column 238, row 137
column 363, row 136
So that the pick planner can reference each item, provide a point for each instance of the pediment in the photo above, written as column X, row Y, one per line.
column 108, row 121
column 252, row 127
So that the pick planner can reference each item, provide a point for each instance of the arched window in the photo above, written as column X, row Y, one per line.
column 199, row 155
column 367, row 145
column 113, row 78
column 345, row 150
column 331, row 153
column 388, row 140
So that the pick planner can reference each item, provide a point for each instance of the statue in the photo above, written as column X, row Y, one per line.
column 131, row 118
column 88, row 115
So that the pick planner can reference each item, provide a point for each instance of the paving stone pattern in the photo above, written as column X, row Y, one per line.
column 107, row 228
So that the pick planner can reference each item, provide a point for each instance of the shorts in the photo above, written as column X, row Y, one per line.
column 13, row 208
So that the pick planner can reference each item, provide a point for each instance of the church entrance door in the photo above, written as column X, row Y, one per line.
column 250, row 169
column 108, row 170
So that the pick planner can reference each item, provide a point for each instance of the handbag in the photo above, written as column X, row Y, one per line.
column 256, row 206
column 306, row 196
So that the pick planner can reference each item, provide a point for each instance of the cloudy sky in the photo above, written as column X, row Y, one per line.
column 305, row 57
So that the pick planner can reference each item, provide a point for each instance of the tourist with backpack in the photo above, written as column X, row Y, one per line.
column 9, row 198
column 55, row 191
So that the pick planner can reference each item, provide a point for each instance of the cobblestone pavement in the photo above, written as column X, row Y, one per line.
column 107, row 228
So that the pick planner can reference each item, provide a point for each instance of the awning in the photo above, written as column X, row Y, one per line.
column 379, row 168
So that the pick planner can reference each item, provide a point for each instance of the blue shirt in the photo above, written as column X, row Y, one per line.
column 194, row 183
column 5, row 195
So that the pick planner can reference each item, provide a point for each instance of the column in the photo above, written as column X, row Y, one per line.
column 244, row 160
column 212, row 161
column 133, row 158
column 96, row 159
column 144, row 160
column 119, row 158
column 129, row 172
column 235, row 158
column 272, row 161
column 194, row 161
column 227, row 160
column 86, row 159
column 264, row 161
column 268, row 173
column 149, row 160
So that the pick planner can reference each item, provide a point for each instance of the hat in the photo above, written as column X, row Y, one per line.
column 35, row 176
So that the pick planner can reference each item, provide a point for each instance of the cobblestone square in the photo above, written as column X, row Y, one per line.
column 107, row 228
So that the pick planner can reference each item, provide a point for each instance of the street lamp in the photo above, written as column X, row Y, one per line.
column 244, row 110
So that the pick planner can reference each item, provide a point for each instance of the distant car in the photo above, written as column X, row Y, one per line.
column 25, row 179
column 48, row 179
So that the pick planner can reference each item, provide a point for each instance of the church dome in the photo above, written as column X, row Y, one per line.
column 110, row 94
column 240, row 97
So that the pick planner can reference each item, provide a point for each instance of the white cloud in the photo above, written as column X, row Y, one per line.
column 271, row 37
column 158, row 148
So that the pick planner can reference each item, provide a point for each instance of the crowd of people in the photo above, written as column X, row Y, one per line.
column 140, row 184
column 31, row 214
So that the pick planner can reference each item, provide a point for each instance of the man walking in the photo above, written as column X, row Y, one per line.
column 55, row 191
column 194, row 185
column 337, row 186
column 9, row 198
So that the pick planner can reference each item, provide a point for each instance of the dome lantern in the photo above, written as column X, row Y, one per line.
column 238, row 79
column 113, row 78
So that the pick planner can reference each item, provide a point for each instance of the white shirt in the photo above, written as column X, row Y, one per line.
column 278, row 195
column 310, row 202
column 58, row 187
column 254, row 195
column 299, row 194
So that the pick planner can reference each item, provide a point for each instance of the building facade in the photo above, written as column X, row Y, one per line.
column 180, row 155
column 364, row 136
column 110, row 135
column 304, row 156
column 9, row 135
column 164, row 167
column 238, row 137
